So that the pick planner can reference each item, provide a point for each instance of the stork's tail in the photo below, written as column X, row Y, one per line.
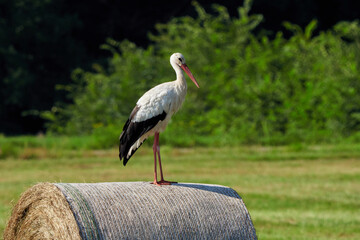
column 126, row 151
column 133, row 132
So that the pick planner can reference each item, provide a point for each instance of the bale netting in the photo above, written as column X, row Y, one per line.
column 130, row 210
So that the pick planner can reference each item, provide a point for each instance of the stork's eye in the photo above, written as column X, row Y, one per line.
column 180, row 59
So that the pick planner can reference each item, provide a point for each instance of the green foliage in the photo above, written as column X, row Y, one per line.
column 253, row 89
column 8, row 150
column 104, row 137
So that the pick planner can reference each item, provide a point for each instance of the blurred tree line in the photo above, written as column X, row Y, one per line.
column 43, row 41
column 254, row 89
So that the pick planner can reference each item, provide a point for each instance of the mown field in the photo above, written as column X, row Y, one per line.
column 293, row 192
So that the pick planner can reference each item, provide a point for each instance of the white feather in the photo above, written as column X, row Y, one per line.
column 166, row 97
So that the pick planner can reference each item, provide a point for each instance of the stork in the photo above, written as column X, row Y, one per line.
column 153, row 112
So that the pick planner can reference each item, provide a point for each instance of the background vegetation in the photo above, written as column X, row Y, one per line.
column 254, row 89
column 43, row 41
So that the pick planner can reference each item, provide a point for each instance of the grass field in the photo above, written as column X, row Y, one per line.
column 294, row 192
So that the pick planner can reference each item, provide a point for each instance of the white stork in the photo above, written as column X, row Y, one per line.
column 153, row 112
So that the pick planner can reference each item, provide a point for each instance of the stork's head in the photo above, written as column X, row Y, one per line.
column 179, row 60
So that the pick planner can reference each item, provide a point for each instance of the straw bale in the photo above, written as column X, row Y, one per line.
column 42, row 212
column 130, row 210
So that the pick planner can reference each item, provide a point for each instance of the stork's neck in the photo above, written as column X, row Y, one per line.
column 180, row 77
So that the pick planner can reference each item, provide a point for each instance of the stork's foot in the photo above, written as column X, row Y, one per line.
column 162, row 182
column 156, row 183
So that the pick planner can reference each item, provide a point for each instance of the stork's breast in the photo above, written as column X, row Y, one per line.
column 154, row 103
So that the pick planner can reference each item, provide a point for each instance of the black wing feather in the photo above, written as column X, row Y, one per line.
column 132, row 131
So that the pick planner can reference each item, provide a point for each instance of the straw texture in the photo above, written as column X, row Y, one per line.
column 42, row 212
column 139, row 210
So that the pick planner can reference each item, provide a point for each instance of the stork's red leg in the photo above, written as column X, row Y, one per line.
column 162, row 181
column 155, row 146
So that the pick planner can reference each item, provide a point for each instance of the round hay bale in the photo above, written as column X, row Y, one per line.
column 133, row 210
column 42, row 212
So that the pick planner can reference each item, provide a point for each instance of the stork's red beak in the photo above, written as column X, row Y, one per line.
column 188, row 72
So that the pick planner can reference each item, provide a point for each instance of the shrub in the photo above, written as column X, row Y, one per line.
column 253, row 88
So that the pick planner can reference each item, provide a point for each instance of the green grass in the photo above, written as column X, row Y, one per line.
column 294, row 192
